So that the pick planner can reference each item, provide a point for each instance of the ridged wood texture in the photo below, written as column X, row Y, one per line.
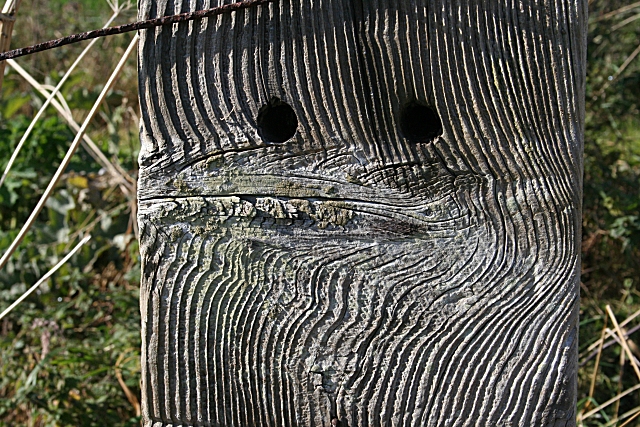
column 350, row 272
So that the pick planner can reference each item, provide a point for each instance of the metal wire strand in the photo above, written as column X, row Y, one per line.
column 134, row 26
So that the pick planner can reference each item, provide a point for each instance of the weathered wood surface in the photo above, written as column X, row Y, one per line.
column 374, row 267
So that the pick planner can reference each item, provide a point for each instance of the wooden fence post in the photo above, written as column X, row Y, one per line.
column 362, row 213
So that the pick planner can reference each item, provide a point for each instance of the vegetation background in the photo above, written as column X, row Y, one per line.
column 69, row 354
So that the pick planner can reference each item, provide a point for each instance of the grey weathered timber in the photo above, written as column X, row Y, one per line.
column 362, row 212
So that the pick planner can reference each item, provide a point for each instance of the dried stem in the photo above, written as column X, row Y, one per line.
column 616, row 407
column 617, row 11
column 592, row 388
column 624, row 65
column 15, row 153
column 125, row 181
column 633, row 417
column 45, row 277
column 623, row 342
column 68, row 156
column 622, row 325
column 131, row 397
column 610, row 401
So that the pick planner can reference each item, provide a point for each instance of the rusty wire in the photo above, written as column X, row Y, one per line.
column 134, row 26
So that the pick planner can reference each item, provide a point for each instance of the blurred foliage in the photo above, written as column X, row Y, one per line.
column 611, row 207
column 69, row 355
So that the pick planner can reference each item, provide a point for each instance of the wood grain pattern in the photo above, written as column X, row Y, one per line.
column 351, row 272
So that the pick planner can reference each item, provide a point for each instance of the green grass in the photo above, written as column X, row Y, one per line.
column 70, row 354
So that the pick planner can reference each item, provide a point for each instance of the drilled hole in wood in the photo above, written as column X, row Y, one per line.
column 277, row 122
column 420, row 123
